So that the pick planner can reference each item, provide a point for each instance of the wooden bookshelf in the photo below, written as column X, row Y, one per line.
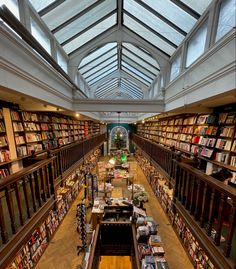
column 210, row 137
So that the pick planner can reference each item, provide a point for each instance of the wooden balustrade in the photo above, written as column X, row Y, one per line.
column 31, row 192
column 209, row 202
column 22, row 194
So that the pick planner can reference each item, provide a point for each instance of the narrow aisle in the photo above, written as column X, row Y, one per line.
column 61, row 252
column 175, row 254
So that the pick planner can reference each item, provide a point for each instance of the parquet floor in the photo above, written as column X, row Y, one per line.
column 62, row 250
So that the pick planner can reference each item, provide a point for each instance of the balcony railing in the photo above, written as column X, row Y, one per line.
column 208, row 205
column 28, row 192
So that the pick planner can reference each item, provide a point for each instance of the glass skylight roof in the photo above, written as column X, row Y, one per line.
column 116, row 88
column 77, row 25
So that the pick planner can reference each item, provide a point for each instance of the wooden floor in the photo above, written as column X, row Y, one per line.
column 61, row 252
column 115, row 262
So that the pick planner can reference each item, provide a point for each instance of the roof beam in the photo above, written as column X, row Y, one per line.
column 107, row 86
column 87, row 28
column 144, row 69
column 93, row 43
column 138, row 93
column 164, row 19
column 144, row 106
column 88, row 63
column 151, row 30
column 186, row 8
column 75, row 17
column 102, row 67
column 50, row 7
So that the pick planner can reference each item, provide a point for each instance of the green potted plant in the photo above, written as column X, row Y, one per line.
column 140, row 198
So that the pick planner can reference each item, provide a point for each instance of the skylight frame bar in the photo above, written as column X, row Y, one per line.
column 100, row 77
column 50, row 7
column 131, row 92
column 77, row 16
column 141, row 58
column 137, row 71
column 131, row 83
column 99, row 94
column 187, row 9
column 97, row 36
column 175, row 46
column 145, row 40
column 109, row 81
column 115, row 83
column 164, row 19
column 127, row 71
column 106, row 86
column 103, row 67
column 100, row 65
column 107, row 93
column 88, row 28
column 140, row 66
column 132, row 88
column 115, row 46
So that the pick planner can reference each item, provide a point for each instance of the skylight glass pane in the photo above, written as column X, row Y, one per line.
column 65, row 11
column 85, row 21
column 102, row 76
column 139, row 61
column 135, row 76
column 196, row 45
column 135, row 88
column 108, row 87
column 148, row 35
column 90, row 34
column 101, row 93
column 61, row 60
column 137, row 67
column 105, row 69
column 173, row 13
column 198, row 5
column 131, row 83
column 132, row 91
column 130, row 86
column 98, row 60
column 135, row 71
column 40, row 35
column 227, row 18
column 12, row 5
column 97, row 53
column 153, row 21
column 141, row 54
column 108, row 82
column 95, row 69
column 175, row 67
column 40, row 4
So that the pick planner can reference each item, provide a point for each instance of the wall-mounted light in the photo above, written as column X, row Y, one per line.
column 143, row 121
column 77, row 114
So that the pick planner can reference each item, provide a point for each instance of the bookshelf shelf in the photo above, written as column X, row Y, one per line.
column 210, row 137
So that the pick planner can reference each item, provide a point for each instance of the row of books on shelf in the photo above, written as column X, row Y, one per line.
column 2, row 126
column 4, row 156
column 30, row 253
column 3, row 141
column 4, row 172
column 164, row 194
column 200, row 259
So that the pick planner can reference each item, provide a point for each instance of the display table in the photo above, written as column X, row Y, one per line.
column 117, row 208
